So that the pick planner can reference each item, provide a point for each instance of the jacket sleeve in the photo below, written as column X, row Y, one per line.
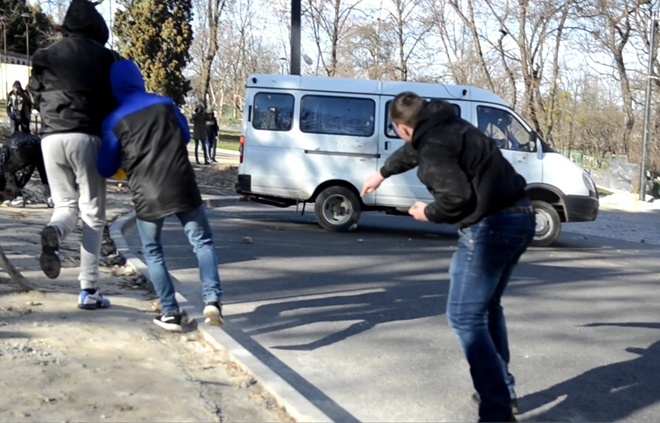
column 28, row 101
column 451, row 190
column 402, row 160
column 35, row 85
column 183, row 124
column 109, row 158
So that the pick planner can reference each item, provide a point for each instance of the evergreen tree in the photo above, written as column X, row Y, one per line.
column 40, row 26
column 157, row 35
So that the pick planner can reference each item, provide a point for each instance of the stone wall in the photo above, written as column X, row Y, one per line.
column 621, row 175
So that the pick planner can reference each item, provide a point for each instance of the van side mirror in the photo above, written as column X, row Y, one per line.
column 533, row 138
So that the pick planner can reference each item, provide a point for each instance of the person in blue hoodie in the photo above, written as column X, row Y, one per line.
column 146, row 137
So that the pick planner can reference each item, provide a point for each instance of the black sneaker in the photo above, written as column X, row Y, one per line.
column 171, row 322
column 50, row 252
column 514, row 403
column 213, row 314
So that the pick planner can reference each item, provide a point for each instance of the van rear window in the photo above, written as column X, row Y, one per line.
column 337, row 115
column 273, row 112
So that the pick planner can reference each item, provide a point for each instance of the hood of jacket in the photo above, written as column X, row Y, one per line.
column 82, row 19
column 436, row 113
column 126, row 79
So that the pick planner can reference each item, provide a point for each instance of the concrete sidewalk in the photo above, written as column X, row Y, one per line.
column 115, row 364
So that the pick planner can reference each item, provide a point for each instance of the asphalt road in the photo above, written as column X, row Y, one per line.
column 356, row 321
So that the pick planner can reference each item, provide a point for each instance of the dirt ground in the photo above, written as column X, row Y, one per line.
column 59, row 363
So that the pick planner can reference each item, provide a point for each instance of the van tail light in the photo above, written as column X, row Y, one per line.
column 241, row 141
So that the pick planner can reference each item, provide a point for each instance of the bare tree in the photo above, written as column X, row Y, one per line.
column 410, row 29
column 466, row 13
column 330, row 22
column 371, row 46
column 214, row 12
column 609, row 24
column 243, row 49
column 531, row 26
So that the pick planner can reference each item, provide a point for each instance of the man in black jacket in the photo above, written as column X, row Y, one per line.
column 70, row 84
column 477, row 189
column 212, row 130
column 19, row 108
column 147, row 136
column 200, row 134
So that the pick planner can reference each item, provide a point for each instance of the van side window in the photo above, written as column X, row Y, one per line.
column 390, row 132
column 273, row 112
column 337, row 115
column 503, row 127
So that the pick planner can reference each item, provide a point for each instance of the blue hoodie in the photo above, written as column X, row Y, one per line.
column 147, row 136
column 129, row 90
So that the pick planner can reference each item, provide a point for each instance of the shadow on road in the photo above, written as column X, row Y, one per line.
column 604, row 394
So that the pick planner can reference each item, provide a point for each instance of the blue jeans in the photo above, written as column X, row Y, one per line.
column 480, row 270
column 197, row 229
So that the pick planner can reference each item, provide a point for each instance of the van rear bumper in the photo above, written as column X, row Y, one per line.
column 244, row 184
column 580, row 208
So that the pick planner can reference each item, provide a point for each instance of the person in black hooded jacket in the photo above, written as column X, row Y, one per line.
column 477, row 189
column 70, row 85
column 200, row 133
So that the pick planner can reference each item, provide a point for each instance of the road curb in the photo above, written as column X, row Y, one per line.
column 296, row 404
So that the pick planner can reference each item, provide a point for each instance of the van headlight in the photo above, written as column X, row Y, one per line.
column 589, row 183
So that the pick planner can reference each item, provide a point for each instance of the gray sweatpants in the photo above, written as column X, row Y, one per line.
column 77, row 188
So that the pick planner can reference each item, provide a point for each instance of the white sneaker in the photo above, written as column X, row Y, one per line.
column 18, row 202
column 213, row 314
column 50, row 203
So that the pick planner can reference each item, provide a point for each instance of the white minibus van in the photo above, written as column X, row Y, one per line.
column 315, row 139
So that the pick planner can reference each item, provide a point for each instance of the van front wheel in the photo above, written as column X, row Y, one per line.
column 337, row 209
column 548, row 224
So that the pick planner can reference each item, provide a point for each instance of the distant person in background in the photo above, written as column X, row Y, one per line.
column 19, row 107
column 212, row 130
column 200, row 133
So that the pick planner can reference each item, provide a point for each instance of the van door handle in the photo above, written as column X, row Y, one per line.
column 387, row 145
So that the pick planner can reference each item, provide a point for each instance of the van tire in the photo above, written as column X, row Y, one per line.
column 548, row 224
column 337, row 209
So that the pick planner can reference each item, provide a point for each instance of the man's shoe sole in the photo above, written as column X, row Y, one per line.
column 213, row 316
column 91, row 306
column 50, row 260
column 168, row 326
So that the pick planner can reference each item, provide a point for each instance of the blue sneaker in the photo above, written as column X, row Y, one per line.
column 92, row 301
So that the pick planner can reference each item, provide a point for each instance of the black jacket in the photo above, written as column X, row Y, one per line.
column 20, row 106
column 212, row 127
column 147, row 136
column 70, row 80
column 199, row 125
column 463, row 169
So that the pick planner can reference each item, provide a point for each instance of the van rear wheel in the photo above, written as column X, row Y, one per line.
column 337, row 209
column 548, row 224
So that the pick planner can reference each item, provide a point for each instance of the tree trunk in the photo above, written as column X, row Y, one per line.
column 214, row 10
